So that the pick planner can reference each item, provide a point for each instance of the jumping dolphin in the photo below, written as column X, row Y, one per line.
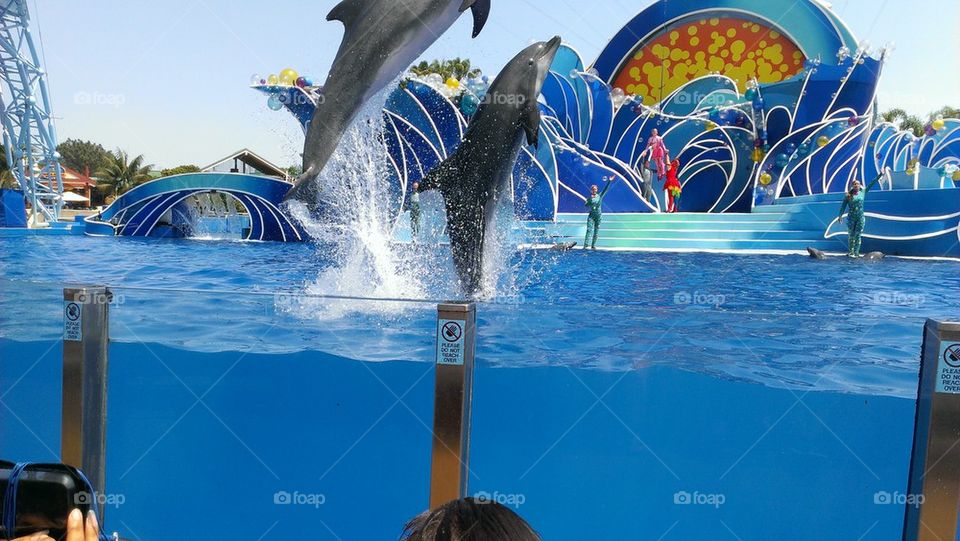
column 477, row 175
column 381, row 39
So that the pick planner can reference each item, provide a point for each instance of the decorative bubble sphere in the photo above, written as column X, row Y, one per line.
column 274, row 102
column 289, row 76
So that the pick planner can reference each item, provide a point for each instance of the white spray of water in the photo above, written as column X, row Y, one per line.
column 357, row 227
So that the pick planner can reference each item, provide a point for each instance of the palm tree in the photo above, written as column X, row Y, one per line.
column 458, row 68
column 120, row 174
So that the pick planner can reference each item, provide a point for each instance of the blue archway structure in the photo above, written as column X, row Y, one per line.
column 138, row 212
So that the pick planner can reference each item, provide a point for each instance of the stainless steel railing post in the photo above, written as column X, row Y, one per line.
column 934, row 488
column 453, row 396
column 84, row 415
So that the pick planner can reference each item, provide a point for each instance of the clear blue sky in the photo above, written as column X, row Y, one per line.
column 169, row 79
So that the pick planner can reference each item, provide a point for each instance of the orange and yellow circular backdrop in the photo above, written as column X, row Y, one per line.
column 738, row 48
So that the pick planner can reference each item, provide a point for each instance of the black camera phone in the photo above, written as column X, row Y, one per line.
column 46, row 495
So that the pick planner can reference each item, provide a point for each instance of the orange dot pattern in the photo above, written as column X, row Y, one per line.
column 738, row 48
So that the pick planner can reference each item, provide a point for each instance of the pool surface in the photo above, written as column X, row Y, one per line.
column 618, row 395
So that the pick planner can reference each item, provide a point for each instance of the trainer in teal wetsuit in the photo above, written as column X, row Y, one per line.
column 595, row 204
column 856, row 220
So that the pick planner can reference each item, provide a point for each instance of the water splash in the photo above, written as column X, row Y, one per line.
column 355, row 222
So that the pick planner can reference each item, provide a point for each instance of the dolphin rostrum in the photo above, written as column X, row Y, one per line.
column 382, row 38
column 476, row 177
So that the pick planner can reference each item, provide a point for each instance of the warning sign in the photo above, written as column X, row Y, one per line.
column 72, row 322
column 450, row 342
column 948, row 375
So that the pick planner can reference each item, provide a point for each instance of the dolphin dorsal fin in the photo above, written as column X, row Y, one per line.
column 481, row 11
column 531, row 124
column 346, row 11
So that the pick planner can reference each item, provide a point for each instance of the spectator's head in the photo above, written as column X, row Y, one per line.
column 469, row 520
column 594, row 190
column 416, row 187
column 856, row 187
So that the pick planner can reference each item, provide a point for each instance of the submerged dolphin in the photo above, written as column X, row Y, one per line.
column 381, row 39
column 477, row 175
column 872, row 256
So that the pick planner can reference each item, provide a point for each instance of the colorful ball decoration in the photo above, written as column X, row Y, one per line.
column 274, row 102
column 273, row 80
column 288, row 77
column 804, row 148
column 782, row 160
column 301, row 82
column 758, row 104
column 956, row 176
column 929, row 131
column 823, row 141
column 469, row 104
column 255, row 79
column 453, row 83
column 853, row 121
column 938, row 124
column 751, row 94
column 710, row 125
column 766, row 179
column 757, row 155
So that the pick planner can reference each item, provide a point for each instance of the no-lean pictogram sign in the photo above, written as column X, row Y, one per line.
column 450, row 342
column 948, row 374
column 72, row 322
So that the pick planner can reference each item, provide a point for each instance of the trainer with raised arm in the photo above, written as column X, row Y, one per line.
column 595, row 204
column 856, row 219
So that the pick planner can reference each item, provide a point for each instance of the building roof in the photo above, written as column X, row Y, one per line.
column 73, row 179
column 252, row 159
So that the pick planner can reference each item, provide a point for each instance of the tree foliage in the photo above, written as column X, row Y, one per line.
column 83, row 156
column 457, row 68
column 180, row 170
column 7, row 180
column 121, row 174
column 915, row 124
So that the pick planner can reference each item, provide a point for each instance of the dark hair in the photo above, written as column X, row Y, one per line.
column 469, row 520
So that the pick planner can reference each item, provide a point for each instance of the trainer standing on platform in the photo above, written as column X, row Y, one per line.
column 595, row 204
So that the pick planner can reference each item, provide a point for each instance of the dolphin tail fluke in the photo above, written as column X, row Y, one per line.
column 481, row 12
column 304, row 189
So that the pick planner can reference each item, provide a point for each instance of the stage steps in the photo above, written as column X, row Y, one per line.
column 774, row 229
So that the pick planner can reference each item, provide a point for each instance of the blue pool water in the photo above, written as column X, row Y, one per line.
column 776, row 393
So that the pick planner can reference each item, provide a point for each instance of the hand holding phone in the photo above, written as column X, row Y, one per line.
column 78, row 529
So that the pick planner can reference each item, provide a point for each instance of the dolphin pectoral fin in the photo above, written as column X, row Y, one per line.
column 346, row 11
column 481, row 11
column 531, row 125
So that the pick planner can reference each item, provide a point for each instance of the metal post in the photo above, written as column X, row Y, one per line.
column 84, row 416
column 934, row 489
column 453, row 395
